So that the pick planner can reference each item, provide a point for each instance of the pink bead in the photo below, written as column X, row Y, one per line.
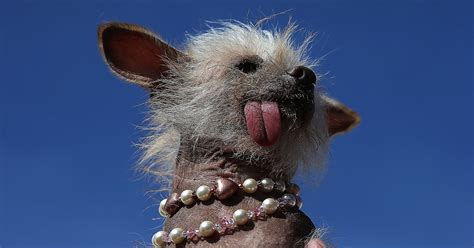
column 226, row 226
column 219, row 228
column 260, row 213
column 173, row 204
column 167, row 239
column 225, row 188
column 193, row 235
column 251, row 215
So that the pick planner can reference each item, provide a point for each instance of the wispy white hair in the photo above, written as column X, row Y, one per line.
column 196, row 100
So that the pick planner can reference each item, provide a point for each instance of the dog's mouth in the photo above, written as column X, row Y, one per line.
column 280, row 107
column 266, row 119
column 263, row 121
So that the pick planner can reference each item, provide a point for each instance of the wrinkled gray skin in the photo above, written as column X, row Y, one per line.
column 198, row 125
column 289, row 229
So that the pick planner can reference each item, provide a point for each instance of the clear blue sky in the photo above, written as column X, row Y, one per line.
column 403, row 178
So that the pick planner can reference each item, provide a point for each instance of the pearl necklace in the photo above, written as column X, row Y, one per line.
column 223, row 189
column 229, row 224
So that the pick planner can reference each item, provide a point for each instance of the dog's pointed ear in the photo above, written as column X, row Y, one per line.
column 135, row 53
column 339, row 117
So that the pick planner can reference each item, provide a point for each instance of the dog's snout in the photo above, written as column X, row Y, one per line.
column 303, row 75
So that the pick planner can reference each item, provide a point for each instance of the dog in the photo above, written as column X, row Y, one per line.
column 237, row 101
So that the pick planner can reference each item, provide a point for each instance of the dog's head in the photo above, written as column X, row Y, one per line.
column 235, row 87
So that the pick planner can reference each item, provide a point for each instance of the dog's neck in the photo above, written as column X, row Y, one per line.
column 197, row 165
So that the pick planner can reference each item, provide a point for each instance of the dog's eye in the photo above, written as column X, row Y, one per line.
column 247, row 66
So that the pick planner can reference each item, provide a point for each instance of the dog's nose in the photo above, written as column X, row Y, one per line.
column 303, row 75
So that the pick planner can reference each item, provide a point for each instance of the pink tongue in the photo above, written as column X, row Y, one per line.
column 263, row 122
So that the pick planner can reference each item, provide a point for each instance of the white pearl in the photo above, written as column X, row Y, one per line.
column 206, row 228
column 176, row 235
column 240, row 217
column 289, row 199
column 267, row 184
column 250, row 185
column 203, row 193
column 162, row 208
column 157, row 239
column 187, row 197
column 270, row 205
